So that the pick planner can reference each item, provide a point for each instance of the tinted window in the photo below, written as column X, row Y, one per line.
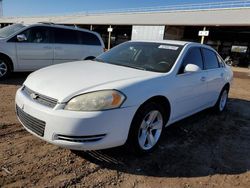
column 210, row 59
column 88, row 38
column 66, row 36
column 193, row 57
column 148, row 56
column 37, row 35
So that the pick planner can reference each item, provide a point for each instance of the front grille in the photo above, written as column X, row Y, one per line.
column 91, row 138
column 35, row 125
column 42, row 99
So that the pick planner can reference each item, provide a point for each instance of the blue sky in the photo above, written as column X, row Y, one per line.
column 50, row 7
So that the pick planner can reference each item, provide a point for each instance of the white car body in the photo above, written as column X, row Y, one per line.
column 187, row 94
column 30, row 56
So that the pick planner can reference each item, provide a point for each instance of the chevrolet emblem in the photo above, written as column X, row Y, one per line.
column 33, row 96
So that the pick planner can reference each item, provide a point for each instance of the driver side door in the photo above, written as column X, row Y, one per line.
column 37, row 50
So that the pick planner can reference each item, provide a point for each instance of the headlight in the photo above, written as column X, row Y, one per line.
column 95, row 101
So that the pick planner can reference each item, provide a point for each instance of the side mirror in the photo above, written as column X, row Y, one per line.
column 21, row 37
column 192, row 68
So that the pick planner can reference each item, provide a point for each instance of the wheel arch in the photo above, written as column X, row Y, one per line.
column 163, row 101
column 89, row 58
column 9, row 60
column 226, row 86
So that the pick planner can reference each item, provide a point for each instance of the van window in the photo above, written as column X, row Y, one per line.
column 193, row 57
column 36, row 35
column 88, row 38
column 210, row 59
column 66, row 36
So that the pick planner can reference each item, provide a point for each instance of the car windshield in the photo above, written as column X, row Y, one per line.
column 9, row 30
column 156, row 57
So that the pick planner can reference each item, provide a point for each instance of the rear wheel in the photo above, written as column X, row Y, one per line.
column 146, row 128
column 222, row 101
column 4, row 68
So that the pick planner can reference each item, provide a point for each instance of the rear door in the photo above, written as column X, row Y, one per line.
column 37, row 51
column 215, row 75
column 190, row 89
column 68, row 46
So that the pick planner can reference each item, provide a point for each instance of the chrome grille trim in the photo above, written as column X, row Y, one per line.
column 33, row 124
column 91, row 138
column 41, row 99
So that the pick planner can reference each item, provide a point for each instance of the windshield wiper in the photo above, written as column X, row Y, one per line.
column 98, row 60
column 135, row 67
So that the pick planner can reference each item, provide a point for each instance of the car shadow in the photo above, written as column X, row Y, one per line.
column 16, row 78
column 201, row 145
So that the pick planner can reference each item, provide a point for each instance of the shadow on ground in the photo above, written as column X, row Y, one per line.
column 201, row 145
column 16, row 78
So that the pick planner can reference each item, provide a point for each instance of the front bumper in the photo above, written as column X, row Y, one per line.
column 77, row 130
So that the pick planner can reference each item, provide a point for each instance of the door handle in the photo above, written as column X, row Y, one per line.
column 203, row 78
column 47, row 47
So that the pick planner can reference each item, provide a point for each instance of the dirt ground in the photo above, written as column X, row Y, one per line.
column 205, row 150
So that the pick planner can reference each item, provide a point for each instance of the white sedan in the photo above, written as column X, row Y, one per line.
column 125, row 96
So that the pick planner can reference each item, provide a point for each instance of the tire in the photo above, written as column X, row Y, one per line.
column 146, row 129
column 4, row 68
column 222, row 101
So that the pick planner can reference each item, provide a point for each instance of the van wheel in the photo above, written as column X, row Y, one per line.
column 146, row 129
column 222, row 101
column 4, row 68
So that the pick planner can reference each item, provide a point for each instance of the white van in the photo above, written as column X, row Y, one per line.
column 31, row 47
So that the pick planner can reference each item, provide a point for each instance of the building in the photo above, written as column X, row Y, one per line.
column 228, row 24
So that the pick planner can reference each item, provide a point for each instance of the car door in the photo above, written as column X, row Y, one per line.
column 37, row 50
column 189, row 89
column 215, row 75
column 67, row 46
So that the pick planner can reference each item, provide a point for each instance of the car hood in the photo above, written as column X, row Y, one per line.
column 64, row 81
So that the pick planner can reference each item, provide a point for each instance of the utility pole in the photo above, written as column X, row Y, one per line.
column 110, row 29
column 1, row 8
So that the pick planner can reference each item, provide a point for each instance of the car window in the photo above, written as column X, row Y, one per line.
column 193, row 57
column 66, row 36
column 37, row 35
column 210, row 59
column 221, row 62
column 88, row 38
column 149, row 56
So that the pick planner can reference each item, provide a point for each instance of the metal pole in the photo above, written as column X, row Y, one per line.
column 1, row 8
column 109, row 40
column 203, row 37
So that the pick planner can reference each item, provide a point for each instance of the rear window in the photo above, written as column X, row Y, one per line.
column 210, row 59
column 89, row 38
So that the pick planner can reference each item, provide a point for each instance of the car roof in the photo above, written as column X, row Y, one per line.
column 174, row 42
column 49, row 24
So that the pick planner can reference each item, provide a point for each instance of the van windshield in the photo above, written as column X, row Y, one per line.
column 9, row 30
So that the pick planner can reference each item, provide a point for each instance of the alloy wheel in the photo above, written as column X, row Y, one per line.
column 150, row 130
column 3, row 68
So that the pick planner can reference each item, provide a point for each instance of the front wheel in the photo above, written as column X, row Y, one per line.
column 4, row 68
column 146, row 128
